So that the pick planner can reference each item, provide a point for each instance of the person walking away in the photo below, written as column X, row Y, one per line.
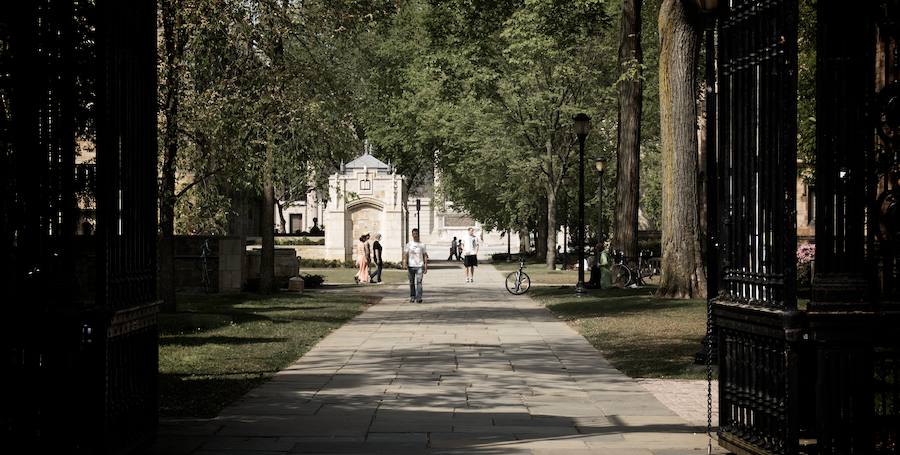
column 415, row 258
column 454, row 250
column 470, row 254
column 362, row 264
column 368, row 253
column 376, row 257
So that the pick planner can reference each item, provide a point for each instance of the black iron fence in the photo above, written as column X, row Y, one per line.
column 820, row 379
column 80, row 343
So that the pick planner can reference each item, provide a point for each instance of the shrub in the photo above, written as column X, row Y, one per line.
column 298, row 241
column 653, row 245
column 806, row 254
column 500, row 256
column 311, row 281
column 324, row 263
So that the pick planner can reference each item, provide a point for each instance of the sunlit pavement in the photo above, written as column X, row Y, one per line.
column 473, row 369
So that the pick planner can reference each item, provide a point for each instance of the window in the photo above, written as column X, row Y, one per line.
column 296, row 223
column 365, row 185
column 811, row 204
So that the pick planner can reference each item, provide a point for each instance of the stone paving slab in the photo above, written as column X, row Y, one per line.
column 683, row 397
column 473, row 369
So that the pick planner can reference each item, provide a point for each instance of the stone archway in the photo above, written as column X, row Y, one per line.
column 363, row 216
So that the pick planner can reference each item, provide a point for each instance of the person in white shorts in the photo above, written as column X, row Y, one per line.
column 470, row 254
column 415, row 257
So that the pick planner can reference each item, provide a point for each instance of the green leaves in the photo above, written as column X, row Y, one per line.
column 265, row 77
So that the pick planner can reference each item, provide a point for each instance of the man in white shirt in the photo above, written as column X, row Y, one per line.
column 415, row 257
column 470, row 254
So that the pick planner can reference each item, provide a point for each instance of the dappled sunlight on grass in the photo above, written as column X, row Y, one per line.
column 217, row 347
column 641, row 335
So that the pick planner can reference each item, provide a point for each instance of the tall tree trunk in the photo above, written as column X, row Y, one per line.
column 267, row 225
column 524, row 241
column 683, row 275
column 629, row 137
column 551, row 227
column 169, row 10
column 540, row 240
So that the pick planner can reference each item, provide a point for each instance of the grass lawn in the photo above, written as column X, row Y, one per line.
column 345, row 275
column 217, row 347
column 540, row 275
column 642, row 336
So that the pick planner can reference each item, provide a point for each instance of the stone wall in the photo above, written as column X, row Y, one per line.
column 303, row 251
column 232, row 274
column 806, row 221
column 222, row 265
column 285, row 265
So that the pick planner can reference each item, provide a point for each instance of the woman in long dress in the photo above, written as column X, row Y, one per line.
column 362, row 262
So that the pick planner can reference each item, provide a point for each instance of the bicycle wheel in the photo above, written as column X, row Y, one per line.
column 620, row 275
column 647, row 275
column 518, row 283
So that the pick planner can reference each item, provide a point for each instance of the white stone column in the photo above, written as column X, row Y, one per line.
column 334, row 220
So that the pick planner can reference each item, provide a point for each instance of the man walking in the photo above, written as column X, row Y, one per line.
column 376, row 256
column 454, row 252
column 415, row 257
column 470, row 254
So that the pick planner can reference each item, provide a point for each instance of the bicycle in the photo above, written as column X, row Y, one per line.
column 624, row 276
column 518, row 282
column 620, row 274
column 645, row 267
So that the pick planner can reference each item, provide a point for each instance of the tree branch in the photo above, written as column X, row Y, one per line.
column 197, row 181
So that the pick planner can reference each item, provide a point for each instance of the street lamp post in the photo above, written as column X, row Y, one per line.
column 582, row 128
column 418, row 221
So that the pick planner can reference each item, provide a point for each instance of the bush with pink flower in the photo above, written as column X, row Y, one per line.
column 806, row 253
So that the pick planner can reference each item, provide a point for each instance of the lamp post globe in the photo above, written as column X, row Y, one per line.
column 582, row 128
column 582, row 125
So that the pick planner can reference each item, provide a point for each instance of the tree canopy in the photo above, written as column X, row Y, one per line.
column 479, row 94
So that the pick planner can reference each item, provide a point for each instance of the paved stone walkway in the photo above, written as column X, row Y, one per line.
column 471, row 370
column 687, row 398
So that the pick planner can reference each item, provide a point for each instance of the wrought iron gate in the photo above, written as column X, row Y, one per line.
column 821, row 379
column 80, row 341
column 756, row 308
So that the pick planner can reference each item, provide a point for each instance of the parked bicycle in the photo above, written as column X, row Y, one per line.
column 625, row 276
column 518, row 282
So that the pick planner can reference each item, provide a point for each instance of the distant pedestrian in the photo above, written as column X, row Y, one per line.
column 470, row 254
column 415, row 257
column 362, row 263
column 454, row 250
column 377, row 260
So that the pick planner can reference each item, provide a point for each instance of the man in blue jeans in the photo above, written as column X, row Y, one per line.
column 415, row 257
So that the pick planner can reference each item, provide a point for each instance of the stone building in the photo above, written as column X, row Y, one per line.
column 301, row 216
column 367, row 195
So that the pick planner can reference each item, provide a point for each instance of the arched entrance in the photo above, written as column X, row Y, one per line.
column 363, row 215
